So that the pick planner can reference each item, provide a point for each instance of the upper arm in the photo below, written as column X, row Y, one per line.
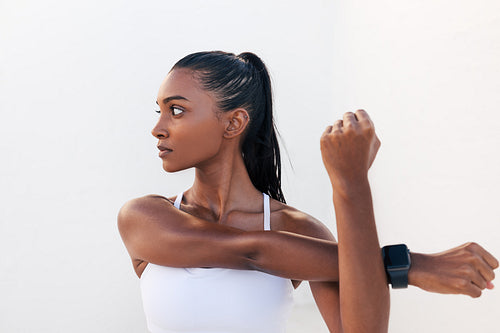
column 326, row 293
column 153, row 230
column 326, row 296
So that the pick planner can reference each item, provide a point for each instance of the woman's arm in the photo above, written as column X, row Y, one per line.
column 348, row 149
column 153, row 230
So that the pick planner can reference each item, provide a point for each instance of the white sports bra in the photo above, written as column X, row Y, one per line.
column 215, row 300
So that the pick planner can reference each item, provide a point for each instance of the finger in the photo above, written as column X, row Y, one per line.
column 488, row 257
column 337, row 126
column 477, row 279
column 489, row 285
column 466, row 287
column 350, row 120
column 476, row 258
column 479, row 250
column 328, row 129
column 363, row 116
column 485, row 269
column 473, row 291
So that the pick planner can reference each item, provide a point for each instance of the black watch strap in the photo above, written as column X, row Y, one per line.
column 399, row 279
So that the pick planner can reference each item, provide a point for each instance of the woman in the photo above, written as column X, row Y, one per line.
column 207, row 259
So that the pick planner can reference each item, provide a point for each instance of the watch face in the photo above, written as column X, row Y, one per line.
column 396, row 256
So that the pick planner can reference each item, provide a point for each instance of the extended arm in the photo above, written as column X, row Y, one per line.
column 348, row 149
column 153, row 230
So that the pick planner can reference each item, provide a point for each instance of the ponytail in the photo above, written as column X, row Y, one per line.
column 243, row 81
column 261, row 151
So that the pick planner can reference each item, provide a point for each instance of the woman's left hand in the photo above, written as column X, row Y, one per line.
column 466, row 269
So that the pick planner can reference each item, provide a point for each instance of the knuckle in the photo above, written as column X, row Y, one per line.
column 471, row 246
column 475, row 259
column 467, row 269
column 349, row 126
column 461, row 284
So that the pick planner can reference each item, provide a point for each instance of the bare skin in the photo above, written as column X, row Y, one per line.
column 348, row 149
column 220, row 220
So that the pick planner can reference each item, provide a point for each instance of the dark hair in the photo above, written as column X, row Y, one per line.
column 243, row 81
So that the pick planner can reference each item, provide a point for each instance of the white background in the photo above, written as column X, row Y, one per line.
column 78, row 81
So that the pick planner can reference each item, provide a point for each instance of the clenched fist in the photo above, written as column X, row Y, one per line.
column 466, row 269
column 349, row 147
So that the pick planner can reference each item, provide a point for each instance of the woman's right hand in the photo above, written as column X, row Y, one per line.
column 349, row 147
column 466, row 269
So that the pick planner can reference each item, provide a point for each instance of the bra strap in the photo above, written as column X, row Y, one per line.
column 178, row 200
column 267, row 213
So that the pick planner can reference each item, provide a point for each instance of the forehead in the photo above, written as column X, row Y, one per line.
column 182, row 82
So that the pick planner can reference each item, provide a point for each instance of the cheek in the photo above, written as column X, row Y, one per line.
column 197, row 143
column 204, row 140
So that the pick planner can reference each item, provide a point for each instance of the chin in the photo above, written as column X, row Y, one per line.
column 170, row 168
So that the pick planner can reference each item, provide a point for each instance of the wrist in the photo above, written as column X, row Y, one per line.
column 416, row 269
column 347, row 187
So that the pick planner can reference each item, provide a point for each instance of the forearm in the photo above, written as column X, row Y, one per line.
column 295, row 256
column 364, row 294
column 154, row 231
column 279, row 253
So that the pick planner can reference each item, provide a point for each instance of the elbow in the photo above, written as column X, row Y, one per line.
column 257, row 253
column 251, row 261
column 250, row 254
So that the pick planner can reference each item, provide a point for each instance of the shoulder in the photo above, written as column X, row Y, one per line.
column 139, row 221
column 143, row 202
column 141, row 209
column 288, row 218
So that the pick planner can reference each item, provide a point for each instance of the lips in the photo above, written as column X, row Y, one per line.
column 163, row 151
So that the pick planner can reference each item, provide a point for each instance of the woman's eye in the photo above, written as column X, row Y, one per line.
column 176, row 111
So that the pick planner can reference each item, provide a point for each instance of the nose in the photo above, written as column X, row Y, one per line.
column 159, row 131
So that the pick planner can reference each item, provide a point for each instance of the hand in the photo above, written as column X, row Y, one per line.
column 349, row 147
column 466, row 269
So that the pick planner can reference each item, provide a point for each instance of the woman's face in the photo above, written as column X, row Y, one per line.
column 188, row 129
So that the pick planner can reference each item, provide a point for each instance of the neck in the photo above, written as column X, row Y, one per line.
column 223, row 186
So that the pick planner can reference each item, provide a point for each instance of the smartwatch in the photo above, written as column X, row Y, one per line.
column 397, row 263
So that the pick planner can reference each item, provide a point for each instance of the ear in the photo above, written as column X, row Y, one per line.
column 236, row 122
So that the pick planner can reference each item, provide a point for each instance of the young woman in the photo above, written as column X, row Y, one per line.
column 223, row 256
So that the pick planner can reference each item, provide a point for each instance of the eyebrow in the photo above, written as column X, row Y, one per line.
column 168, row 99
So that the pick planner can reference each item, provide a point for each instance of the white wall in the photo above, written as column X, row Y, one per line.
column 78, row 81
